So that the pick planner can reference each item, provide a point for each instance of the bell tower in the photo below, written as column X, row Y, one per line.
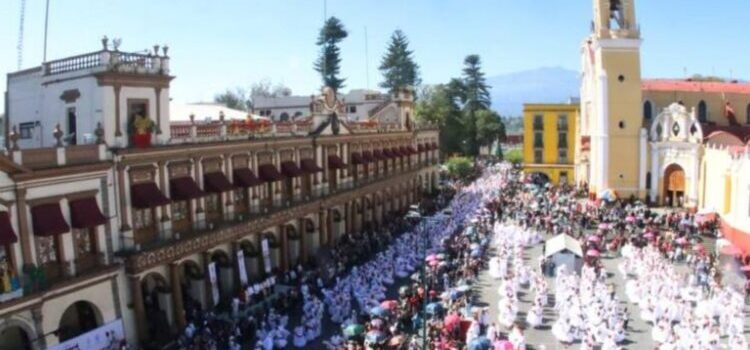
column 611, row 100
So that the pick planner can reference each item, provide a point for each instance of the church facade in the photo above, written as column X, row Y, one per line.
column 681, row 143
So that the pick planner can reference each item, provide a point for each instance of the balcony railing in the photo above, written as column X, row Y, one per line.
column 127, row 62
column 167, row 237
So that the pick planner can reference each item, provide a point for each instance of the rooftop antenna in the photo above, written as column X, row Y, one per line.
column 19, row 46
column 46, row 24
column 367, row 62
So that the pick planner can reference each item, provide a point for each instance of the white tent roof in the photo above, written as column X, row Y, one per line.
column 562, row 242
column 205, row 112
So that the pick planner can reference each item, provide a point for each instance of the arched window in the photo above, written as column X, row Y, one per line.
column 647, row 111
column 702, row 112
column 748, row 114
column 284, row 117
column 297, row 114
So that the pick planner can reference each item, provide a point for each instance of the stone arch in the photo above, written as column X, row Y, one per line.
column 673, row 188
column 16, row 334
column 78, row 318
column 284, row 117
column 648, row 112
column 192, row 281
column 702, row 111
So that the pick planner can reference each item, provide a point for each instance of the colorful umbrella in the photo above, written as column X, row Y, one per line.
column 608, row 195
column 433, row 263
column 630, row 219
column 353, row 330
column 379, row 312
column 592, row 253
column 389, row 304
column 377, row 323
column 603, row 226
column 480, row 343
column 431, row 257
column 594, row 239
column 503, row 345
column 451, row 321
column 375, row 337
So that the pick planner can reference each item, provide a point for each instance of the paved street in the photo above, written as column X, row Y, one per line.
column 639, row 334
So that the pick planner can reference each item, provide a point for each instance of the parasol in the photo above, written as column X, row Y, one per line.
column 592, row 253
column 353, row 330
column 389, row 304
column 594, row 238
column 379, row 312
column 375, row 337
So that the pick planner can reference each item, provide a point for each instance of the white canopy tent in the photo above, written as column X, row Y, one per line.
column 563, row 250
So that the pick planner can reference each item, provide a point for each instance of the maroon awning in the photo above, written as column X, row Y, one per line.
column 356, row 158
column 216, row 182
column 387, row 153
column 378, row 155
column 411, row 150
column 48, row 220
column 420, row 148
column 404, row 151
column 334, row 162
column 367, row 157
column 7, row 235
column 184, row 188
column 244, row 177
column 147, row 195
column 434, row 146
column 396, row 152
column 290, row 169
column 85, row 213
column 309, row 166
column 268, row 173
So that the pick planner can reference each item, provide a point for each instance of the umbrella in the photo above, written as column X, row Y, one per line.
column 389, row 304
column 603, row 226
column 431, row 257
column 353, row 330
column 433, row 308
column 377, row 323
column 608, row 195
column 680, row 240
column 476, row 253
column 503, row 345
column 480, row 343
column 379, row 312
column 451, row 321
column 592, row 253
column 630, row 218
column 648, row 235
column 433, row 263
column 594, row 239
column 375, row 337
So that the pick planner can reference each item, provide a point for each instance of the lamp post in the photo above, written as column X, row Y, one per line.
column 414, row 216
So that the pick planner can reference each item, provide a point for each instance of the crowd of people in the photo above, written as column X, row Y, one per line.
column 673, row 281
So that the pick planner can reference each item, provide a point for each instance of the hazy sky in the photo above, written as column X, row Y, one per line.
column 226, row 43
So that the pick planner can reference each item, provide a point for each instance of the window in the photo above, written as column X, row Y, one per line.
column 538, row 140
column 25, row 130
column 538, row 156
column 647, row 111
column 648, row 180
column 538, row 122
column 702, row 112
column 85, row 241
column 46, row 247
column 562, row 140
column 212, row 203
column 562, row 122
column 143, row 218
column 352, row 109
column 297, row 114
column 239, row 196
column 562, row 155
column 284, row 117
column 179, row 210
column 71, row 126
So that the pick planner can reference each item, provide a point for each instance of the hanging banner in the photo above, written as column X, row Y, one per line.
column 214, row 284
column 266, row 255
column 241, row 265
column 99, row 338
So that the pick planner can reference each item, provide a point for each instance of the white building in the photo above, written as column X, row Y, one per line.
column 359, row 104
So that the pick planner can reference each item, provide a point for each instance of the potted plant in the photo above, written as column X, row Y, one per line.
column 141, row 127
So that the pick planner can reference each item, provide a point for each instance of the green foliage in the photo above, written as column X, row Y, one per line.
column 235, row 99
column 398, row 66
column 514, row 156
column 328, row 63
column 437, row 105
column 460, row 167
column 490, row 127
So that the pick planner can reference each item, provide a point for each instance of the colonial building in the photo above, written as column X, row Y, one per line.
column 110, row 215
column 671, row 142
column 549, row 137
column 359, row 105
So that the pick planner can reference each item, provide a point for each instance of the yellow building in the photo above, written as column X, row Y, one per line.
column 549, row 134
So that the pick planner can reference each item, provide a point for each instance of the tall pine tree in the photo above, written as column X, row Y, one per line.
column 398, row 66
column 328, row 63
column 476, row 97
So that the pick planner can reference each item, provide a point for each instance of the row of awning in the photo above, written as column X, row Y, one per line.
column 48, row 220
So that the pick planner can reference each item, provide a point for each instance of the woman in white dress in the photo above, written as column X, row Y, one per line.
column 534, row 317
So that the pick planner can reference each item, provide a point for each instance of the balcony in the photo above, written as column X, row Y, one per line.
column 110, row 60
column 202, row 235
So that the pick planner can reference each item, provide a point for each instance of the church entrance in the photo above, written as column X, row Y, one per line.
column 674, row 186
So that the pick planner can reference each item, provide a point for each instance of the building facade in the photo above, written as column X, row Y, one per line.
column 681, row 143
column 549, row 138
column 359, row 105
column 114, row 231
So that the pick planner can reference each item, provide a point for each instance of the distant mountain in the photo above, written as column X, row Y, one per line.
column 543, row 85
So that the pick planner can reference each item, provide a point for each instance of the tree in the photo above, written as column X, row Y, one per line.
column 476, row 97
column 490, row 127
column 514, row 156
column 398, row 66
column 235, row 99
column 460, row 167
column 438, row 105
column 265, row 88
column 328, row 63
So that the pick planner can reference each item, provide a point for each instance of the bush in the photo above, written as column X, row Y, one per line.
column 515, row 156
column 460, row 167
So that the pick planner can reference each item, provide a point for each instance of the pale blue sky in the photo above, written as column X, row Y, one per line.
column 226, row 43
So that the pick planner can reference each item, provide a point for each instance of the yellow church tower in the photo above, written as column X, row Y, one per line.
column 610, row 101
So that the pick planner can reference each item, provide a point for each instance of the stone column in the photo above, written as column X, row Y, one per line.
column 323, row 227
column 163, row 177
column 122, row 188
column 139, row 308
column 284, row 264
column 208, row 295
column 302, row 226
column 24, row 238
column 177, row 303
